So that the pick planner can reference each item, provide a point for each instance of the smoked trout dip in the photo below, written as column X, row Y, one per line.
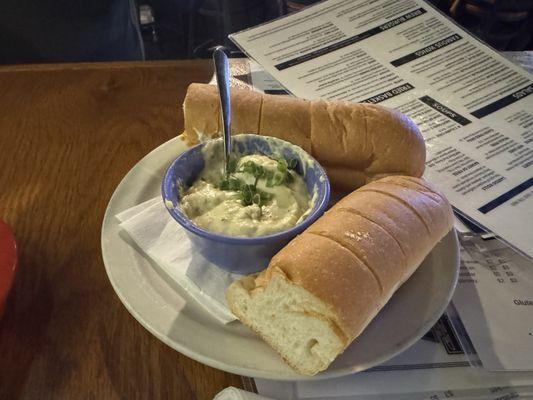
column 259, row 196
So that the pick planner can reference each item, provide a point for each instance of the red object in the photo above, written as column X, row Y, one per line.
column 8, row 262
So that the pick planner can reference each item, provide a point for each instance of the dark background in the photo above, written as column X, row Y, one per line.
column 49, row 31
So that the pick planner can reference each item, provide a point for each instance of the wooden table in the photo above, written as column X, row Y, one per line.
column 68, row 135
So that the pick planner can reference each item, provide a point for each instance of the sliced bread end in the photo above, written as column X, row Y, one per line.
column 295, row 323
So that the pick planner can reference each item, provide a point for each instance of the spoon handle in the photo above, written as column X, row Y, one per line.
column 222, row 73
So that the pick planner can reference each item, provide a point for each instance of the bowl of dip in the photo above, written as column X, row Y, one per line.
column 238, row 219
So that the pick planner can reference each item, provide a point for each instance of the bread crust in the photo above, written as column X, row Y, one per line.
column 201, row 112
column 251, row 285
column 358, row 253
column 357, row 143
column 333, row 274
column 385, row 228
column 370, row 243
column 287, row 118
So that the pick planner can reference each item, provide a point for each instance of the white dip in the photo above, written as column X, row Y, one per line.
column 224, row 211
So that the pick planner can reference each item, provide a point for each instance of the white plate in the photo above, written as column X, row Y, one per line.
column 154, row 300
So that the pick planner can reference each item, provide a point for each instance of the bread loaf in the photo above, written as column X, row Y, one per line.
column 356, row 143
column 320, row 291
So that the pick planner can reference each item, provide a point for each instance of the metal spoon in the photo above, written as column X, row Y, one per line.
column 220, row 60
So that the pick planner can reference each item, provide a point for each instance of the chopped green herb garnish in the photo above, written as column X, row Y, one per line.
column 235, row 184
column 223, row 184
column 278, row 179
column 249, row 193
column 259, row 171
column 282, row 165
column 265, row 196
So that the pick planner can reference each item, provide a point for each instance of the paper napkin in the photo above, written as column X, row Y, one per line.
column 160, row 238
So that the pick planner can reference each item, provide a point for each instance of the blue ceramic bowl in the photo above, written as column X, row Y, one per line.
column 242, row 255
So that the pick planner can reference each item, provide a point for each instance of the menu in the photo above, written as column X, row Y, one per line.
column 488, row 325
column 494, row 289
column 494, row 300
column 472, row 105
column 436, row 367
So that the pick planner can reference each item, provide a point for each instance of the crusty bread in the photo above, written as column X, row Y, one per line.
column 202, row 118
column 280, row 112
column 356, row 143
column 292, row 320
column 321, row 291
